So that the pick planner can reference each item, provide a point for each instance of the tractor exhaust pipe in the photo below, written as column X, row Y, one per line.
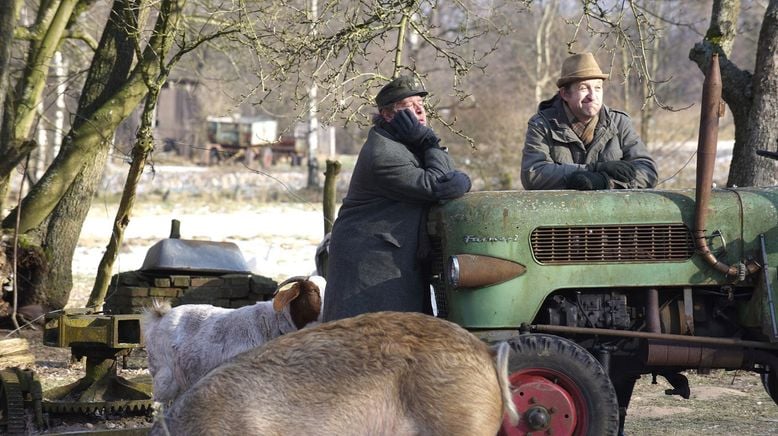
column 710, row 112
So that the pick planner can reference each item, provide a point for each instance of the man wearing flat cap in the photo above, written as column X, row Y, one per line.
column 574, row 141
column 377, row 254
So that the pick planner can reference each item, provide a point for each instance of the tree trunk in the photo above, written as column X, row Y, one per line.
column 8, row 11
column 154, row 78
column 625, row 62
column 762, row 133
column 751, row 98
column 543, row 74
column 20, row 111
column 140, row 152
column 64, row 228
column 101, row 107
column 58, row 204
column 647, row 112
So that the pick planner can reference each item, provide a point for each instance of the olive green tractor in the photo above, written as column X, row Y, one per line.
column 595, row 289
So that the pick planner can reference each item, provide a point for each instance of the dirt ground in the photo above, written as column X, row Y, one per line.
column 54, row 367
column 721, row 403
column 278, row 241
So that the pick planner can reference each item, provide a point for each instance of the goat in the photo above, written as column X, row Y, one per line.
column 378, row 374
column 186, row 342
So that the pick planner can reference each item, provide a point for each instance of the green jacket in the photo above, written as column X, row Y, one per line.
column 552, row 151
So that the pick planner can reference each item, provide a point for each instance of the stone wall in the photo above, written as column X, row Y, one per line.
column 133, row 291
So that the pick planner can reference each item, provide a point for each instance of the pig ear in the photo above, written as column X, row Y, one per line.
column 284, row 297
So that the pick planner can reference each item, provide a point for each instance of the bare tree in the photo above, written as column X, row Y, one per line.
column 545, row 71
column 21, row 102
column 356, row 47
column 634, row 25
column 128, row 60
column 752, row 97
column 652, row 68
column 8, row 11
column 346, row 56
column 623, row 27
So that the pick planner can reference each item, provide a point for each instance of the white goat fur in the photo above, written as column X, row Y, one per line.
column 185, row 342
column 378, row 374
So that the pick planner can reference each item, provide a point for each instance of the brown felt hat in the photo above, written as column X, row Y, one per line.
column 578, row 67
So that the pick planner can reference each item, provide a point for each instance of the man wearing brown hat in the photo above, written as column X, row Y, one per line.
column 377, row 254
column 576, row 142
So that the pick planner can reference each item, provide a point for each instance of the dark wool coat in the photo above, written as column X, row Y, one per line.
column 372, row 264
column 552, row 151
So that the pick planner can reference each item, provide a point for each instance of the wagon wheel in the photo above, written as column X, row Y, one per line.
column 13, row 419
column 559, row 388
column 214, row 157
column 266, row 157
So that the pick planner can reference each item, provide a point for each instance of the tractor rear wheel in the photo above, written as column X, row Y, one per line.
column 559, row 388
column 770, row 383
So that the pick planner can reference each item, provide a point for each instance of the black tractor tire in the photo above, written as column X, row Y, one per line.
column 770, row 383
column 569, row 370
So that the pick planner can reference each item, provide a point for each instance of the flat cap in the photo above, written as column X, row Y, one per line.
column 398, row 89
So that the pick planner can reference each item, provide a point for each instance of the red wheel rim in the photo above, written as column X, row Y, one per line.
column 546, row 400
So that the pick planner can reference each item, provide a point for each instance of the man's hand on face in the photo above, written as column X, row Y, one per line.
column 407, row 129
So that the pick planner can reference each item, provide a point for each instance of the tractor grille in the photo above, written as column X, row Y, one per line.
column 619, row 243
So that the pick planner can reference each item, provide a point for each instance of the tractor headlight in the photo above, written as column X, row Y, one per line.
column 477, row 271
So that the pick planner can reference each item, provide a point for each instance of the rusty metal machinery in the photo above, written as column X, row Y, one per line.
column 19, row 390
column 186, row 271
column 12, row 417
column 176, row 271
column 102, row 339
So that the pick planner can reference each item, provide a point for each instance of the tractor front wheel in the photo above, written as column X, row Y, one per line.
column 559, row 388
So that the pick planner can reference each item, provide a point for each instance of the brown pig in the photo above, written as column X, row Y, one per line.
column 384, row 373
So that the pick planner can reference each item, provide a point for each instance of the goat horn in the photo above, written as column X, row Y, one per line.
column 291, row 280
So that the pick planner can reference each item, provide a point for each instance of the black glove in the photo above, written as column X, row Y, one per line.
column 452, row 185
column 407, row 129
column 587, row 181
column 620, row 170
